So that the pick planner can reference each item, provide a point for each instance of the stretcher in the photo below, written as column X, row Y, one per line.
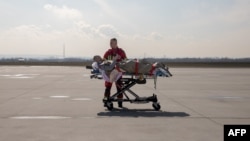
column 128, row 81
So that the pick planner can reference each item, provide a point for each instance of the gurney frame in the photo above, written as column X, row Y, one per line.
column 127, row 84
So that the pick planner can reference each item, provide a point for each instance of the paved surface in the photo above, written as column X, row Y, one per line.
column 63, row 104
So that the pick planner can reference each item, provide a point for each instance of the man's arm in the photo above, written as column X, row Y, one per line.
column 107, row 67
column 122, row 54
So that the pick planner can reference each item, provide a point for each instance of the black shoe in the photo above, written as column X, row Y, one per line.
column 105, row 104
column 104, row 100
column 120, row 104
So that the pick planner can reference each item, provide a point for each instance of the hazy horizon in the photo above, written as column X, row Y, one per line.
column 86, row 57
column 144, row 28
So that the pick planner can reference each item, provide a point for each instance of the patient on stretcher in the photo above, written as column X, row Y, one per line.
column 112, row 71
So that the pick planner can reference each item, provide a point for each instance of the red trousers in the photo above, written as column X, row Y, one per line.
column 108, row 86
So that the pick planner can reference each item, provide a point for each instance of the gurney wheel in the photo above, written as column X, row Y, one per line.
column 156, row 106
column 110, row 106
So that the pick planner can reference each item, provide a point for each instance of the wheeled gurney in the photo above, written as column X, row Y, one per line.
column 138, row 72
column 127, row 84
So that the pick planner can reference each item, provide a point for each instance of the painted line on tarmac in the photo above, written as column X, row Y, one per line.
column 81, row 99
column 20, row 76
column 59, row 96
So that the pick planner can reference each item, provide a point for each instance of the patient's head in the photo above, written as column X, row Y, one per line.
column 97, row 58
column 163, row 68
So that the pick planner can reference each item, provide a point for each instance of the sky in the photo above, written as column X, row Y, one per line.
column 144, row 28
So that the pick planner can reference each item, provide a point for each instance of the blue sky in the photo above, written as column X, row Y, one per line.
column 151, row 28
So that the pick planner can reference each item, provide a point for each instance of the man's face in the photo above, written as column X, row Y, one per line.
column 113, row 44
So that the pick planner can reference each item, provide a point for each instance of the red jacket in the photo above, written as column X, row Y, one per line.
column 112, row 52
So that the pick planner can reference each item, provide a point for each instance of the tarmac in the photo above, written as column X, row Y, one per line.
column 46, row 103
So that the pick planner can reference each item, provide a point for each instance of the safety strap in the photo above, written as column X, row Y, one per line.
column 136, row 67
column 151, row 70
column 118, row 68
column 155, row 81
column 155, row 75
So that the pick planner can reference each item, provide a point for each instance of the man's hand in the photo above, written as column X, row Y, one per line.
column 116, row 57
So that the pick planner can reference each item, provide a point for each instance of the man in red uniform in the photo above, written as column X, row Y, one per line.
column 115, row 50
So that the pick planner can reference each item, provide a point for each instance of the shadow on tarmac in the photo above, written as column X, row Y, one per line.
column 141, row 113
